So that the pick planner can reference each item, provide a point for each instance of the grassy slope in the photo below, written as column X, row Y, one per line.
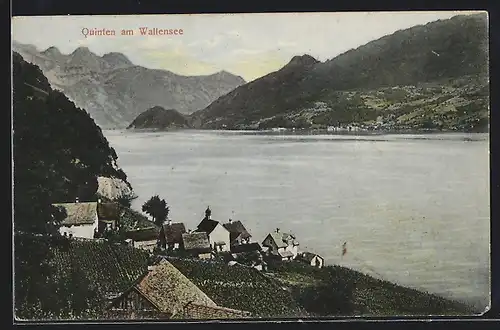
column 363, row 294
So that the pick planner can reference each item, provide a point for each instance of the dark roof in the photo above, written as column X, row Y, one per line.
column 285, row 254
column 196, row 241
column 173, row 232
column 278, row 239
column 108, row 211
column 308, row 256
column 79, row 213
column 283, row 239
column 207, row 225
column 245, row 247
column 143, row 234
column 236, row 230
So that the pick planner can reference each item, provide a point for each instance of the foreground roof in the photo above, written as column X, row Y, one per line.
column 169, row 290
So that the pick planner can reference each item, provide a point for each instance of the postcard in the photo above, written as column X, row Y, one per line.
column 251, row 166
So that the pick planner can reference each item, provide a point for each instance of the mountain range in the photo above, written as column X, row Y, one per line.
column 114, row 90
column 427, row 76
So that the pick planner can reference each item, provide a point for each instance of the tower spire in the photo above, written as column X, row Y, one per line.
column 208, row 213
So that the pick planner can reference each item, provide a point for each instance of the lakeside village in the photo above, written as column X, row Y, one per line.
column 163, row 289
column 230, row 241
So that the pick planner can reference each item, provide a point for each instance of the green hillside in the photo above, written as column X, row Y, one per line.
column 439, row 73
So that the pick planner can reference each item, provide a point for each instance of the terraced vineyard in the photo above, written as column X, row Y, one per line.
column 240, row 287
column 111, row 267
column 83, row 272
column 335, row 290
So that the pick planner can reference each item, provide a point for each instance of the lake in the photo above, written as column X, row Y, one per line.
column 413, row 209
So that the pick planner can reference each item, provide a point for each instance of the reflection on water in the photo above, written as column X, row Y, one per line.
column 413, row 209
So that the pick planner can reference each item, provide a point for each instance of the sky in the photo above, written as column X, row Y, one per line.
column 248, row 45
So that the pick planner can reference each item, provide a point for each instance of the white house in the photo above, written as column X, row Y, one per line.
column 219, row 237
column 81, row 219
column 312, row 259
column 281, row 244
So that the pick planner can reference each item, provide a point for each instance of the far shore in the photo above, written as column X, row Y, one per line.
column 304, row 131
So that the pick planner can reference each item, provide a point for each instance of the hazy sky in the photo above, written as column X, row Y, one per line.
column 249, row 45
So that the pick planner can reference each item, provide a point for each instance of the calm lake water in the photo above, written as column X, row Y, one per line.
column 413, row 209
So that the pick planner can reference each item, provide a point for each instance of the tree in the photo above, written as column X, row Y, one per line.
column 156, row 208
column 125, row 199
column 58, row 154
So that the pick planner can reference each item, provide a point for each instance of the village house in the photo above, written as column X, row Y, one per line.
column 237, row 232
column 245, row 248
column 165, row 293
column 281, row 245
column 197, row 244
column 171, row 235
column 312, row 259
column 249, row 254
column 218, row 236
column 144, row 238
column 81, row 219
column 108, row 215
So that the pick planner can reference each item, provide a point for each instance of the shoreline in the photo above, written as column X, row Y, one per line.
column 300, row 132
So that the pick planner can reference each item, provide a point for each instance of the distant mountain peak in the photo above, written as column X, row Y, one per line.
column 226, row 74
column 54, row 51
column 302, row 60
column 223, row 72
column 81, row 50
column 114, row 90
column 20, row 45
column 116, row 58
